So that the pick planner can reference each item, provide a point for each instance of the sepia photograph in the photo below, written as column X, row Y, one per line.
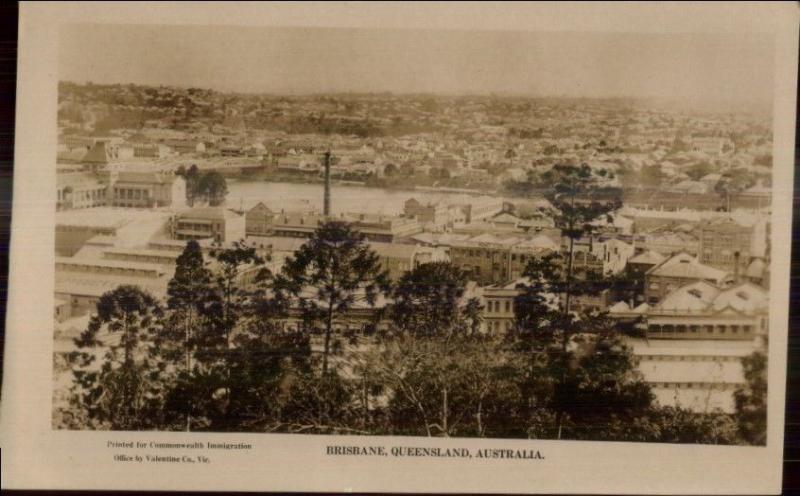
column 543, row 235
column 443, row 247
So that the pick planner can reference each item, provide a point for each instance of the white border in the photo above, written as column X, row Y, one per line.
column 37, row 457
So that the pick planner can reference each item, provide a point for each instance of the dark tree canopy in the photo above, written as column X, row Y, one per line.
column 330, row 273
column 124, row 392
column 428, row 301
column 213, row 188
column 751, row 400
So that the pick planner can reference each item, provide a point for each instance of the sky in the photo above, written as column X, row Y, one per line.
column 695, row 67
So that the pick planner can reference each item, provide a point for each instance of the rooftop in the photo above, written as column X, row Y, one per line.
column 685, row 266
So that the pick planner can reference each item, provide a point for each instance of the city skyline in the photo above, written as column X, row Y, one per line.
column 720, row 69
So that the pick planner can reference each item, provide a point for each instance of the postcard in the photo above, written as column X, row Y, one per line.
column 446, row 247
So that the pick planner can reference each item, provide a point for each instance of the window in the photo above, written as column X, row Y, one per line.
column 735, row 329
column 508, row 306
column 709, row 329
column 721, row 329
column 747, row 329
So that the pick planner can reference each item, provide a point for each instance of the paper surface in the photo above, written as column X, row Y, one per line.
column 727, row 57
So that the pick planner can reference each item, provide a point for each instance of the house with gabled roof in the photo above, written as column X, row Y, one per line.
column 702, row 310
column 677, row 271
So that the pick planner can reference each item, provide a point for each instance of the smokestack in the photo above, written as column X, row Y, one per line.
column 327, row 203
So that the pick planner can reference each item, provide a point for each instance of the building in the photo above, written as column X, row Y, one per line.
column 81, row 281
column 99, row 155
column 79, row 190
column 262, row 221
column 710, row 145
column 669, row 242
column 614, row 254
column 186, row 146
column 308, row 165
column 677, row 271
column 488, row 259
column 498, row 306
column 106, row 227
column 436, row 213
column 699, row 375
column 149, row 150
column 396, row 259
column 639, row 264
column 212, row 223
column 695, row 340
column 725, row 244
column 702, row 310
column 140, row 189
column 481, row 208
column 259, row 220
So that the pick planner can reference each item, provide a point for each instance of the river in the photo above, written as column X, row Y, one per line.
column 344, row 198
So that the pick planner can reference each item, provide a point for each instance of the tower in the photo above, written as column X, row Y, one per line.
column 327, row 200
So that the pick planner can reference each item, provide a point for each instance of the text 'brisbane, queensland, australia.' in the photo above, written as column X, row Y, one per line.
column 436, row 452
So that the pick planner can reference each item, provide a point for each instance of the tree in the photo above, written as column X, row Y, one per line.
column 188, row 292
column 731, row 183
column 230, row 305
column 125, row 391
column 192, row 178
column 699, row 170
column 213, row 188
column 442, row 376
column 579, row 198
column 443, row 385
column 672, row 424
column 751, row 400
column 390, row 170
column 333, row 270
column 561, row 342
column 428, row 301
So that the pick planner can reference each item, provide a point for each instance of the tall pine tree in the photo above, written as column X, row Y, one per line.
column 125, row 390
column 188, row 293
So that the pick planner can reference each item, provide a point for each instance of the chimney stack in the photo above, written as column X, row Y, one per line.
column 327, row 201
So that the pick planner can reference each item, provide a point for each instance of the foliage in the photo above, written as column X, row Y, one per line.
column 123, row 391
column 209, row 187
column 333, row 271
column 428, row 301
column 751, row 400
column 731, row 183
column 213, row 188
